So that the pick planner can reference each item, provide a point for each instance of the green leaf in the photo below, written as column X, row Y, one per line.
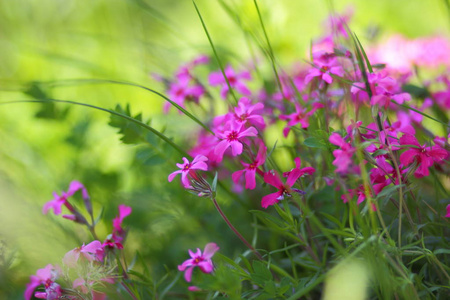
column 313, row 142
column 131, row 133
column 388, row 191
column 416, row 91
column 262, row 274
column 147, row 127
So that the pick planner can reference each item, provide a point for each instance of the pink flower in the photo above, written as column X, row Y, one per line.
column 232, row 138
column 235, row 80
column 327, row 64
column 115, row 239
column 384, row 89
column 47, row 277
column 300, row 116
column 251, row 169
column 344, row 155
column 124, row 211
column 183, row 89
column 284, row 189
column 59, row 201
column 303, row 171
column 423, row 156
column 187, row 169
column 92, row 251
column 245, row 112
column 448, row 211
column 203, row 261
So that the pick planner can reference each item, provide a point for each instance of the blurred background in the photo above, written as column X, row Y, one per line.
column 43, row 147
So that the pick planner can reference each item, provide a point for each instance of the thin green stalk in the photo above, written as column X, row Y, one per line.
column 224, row 217
column 154, row 131
column 100, row 81
column 271, row 55
column 215, row 52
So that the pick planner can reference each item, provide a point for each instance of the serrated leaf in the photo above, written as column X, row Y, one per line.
column 261, row 274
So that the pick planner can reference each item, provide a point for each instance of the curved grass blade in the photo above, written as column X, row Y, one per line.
column 89, row 81
column 270, row 50
column 151, row 129
column 421, row 113
column 369, row 66
column 215, row 52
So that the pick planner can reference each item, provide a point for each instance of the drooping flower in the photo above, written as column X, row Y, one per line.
column 46, row 277
column 59, row 201
column 199, row 259
column 115, row 239
column 251, row 169
column 284, row 189
column 424, row 156
column 188, row 168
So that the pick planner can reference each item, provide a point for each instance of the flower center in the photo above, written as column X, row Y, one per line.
column 232, row 136
column 198, row 259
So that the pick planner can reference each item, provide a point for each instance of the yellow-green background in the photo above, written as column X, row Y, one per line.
column 128, row 40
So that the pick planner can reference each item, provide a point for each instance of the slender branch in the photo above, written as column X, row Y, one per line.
column 224, row 217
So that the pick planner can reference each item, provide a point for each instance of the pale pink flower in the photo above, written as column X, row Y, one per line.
column 235, row 80
column 188, row 168
column 92, row 251
column 46, row 277
column 199, row 259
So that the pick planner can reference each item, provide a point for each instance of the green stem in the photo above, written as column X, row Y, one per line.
column 224, row 217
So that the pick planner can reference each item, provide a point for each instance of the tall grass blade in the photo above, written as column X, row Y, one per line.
column 149, row 128
column 215, row 52
column 100, row 81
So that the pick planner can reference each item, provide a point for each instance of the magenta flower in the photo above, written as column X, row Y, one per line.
column 300, row 116
column 327, row 64
column 232, row 138
column 284, row 189
column 344, row 155
column 303, row 171
column 384, row 89
column 124, row 211
column 47, row 277
column 92, row 251
column 251, row 169
column 448, row 211
column 425, row 157
column 235, row 80
column 245, row 113
column 59, row 201
column 199, row 259
column 188, row 169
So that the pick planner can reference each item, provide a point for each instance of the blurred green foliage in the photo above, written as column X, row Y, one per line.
column 45, row 146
